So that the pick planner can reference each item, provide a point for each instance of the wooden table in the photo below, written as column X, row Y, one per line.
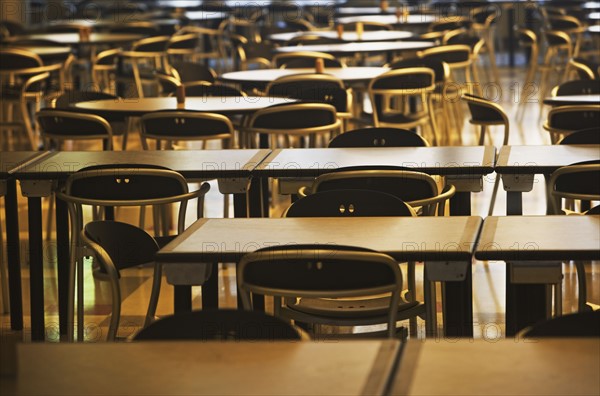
column 213, row 104
column 39, row 178
column 500, row 367
column 207, row 368
column 346, row 49
column 517, row 166
column 349, row 36
column 74, row 39
column 11, row 162
column 572, row 100
column 533, row 247
column 445, row 243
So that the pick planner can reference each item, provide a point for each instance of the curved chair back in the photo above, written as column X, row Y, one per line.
column 222, row 324
column 485, row 113
column 186, row 72
column 582, row 324
column 172, row 126
column 577, row 87
column 583, row 136
column 566, row 119
column 61, row 125
column 368, row 26
column 457, row 56
column 585, row 69
column 378, row 137
column 349, row 203
column 317, row 88
column 318, row 271
column 304, row 59
column 576, row 181
column 203, row 88
column 439, row 67
column 18, row 59
column 312, row 39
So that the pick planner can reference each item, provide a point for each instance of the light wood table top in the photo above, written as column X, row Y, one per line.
column 350, row 36
column 360, row 47
column 211, row 104
column 404, row 238
column 464, row 160
column 543, row 159
column 206, row 368
column 264, row 76
column 572, row 100
column 514, row 238
column 500, row 367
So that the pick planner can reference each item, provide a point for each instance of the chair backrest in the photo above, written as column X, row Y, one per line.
column 19, row 58
column 304, row 59
column 462, row 37
column 184, row 125
column 183, row 44
column 317, row 88
column 456, row 55
column 572, row 118
column 65, row 124
column 187, row 71
column 378, row 137
column 295, row 118
column 586, row 70
column 222, row 324
column 450, row 24
column 584, row 136
column 368, row 26
column 203, row 88
column 581, row 324
column 439, row 67
column 576, row 181
column 320, row 271
column 312, row 39
column 70, row 97
column 349, row 203
column 577, row 87
column 485, row 112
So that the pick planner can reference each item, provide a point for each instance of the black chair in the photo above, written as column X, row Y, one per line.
column 583, row 136
column 321, row 271
column 187, row 72
column 563, row 120
column 58, row 126
column 223, row 324
column 577, row 87
column 206, row 89
column 582, row 324
column 304, row 59
column 378, row 137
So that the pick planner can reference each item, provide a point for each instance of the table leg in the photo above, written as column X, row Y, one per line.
column 36, row 268
column 458, row 307
column 13, row 255
column 63, row 262
column 511, row 37
column 460, row 204
column 525, row 305
column 210, row 289
column 514, row 203
column 182, row 298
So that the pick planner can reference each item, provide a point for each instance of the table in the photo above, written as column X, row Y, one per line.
column 572, row 100
column 38, row 179
column 346, row 49
column 446, row 243
column 350, row 36
column 9, row 163
column 493, row 367
column 517, row 166
column 412, row 19
column 594, row 29
column 74, row 39
column 206, row 368
column 198, row 16
column 462, row 166
column 527, row 244
column 213, row 104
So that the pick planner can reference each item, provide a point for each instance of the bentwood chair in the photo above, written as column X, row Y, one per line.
column 391, row 92
column 298, row 272
column 59, row 125
column 577, row 325
column 486, row 113
column 583, row 136
column 528, row 39
column 127, row 186
column 104, row 70
column 289, row 121
column 358, row 203
column 146, row 56
column 222, row 324
column 317, row 88
column 563, row 120
column 586, row 70
column 577, row 87
column 558, row 43
column 378, row 137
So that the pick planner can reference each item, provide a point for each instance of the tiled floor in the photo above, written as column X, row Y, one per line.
column 488, row 277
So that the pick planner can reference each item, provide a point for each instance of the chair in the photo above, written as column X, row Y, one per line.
column 575, row 182
column 122, row 186
column 313, row 39
column 206, row 45
column 528, row 39
column 246, row 52
column 181, row 125
column 577, row 87
column 304, row 59
column 183, row 46
column 222, row 324
column 557, row 42
column 586, row 70
column 367, row 26
column 292, row 120
column 563, row 120
column 315, row 88
column 484, row 20
column 582, row 324
column 477, row 45
column 147, row 56
column 399, row 85
column 317, row 272
column 378, row 137
column 583, row 136
column 486, row 113
column 59, row 125
column 459, row 58
column 21, row 85
column 104, row 69
column 188, row 72
column 417, row 189
column 205, row 89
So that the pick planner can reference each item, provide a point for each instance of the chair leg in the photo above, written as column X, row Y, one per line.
column 154, row 294
column 49, row 219
column 582, row 286
column 494, row 194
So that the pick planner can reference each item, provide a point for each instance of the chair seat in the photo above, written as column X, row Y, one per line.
column 348, row 309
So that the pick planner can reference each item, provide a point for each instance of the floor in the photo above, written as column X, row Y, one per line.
column 488, row 277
